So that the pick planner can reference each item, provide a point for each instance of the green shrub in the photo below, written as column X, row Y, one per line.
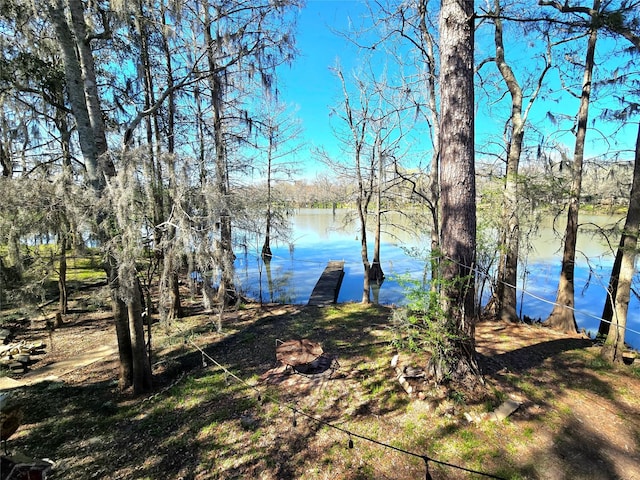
column 422, row 326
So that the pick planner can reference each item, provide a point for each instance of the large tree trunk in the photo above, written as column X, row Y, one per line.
column 142, row 378
column 90, row 85
column 123, row 332
column 85, row 104
column 457, row 186
column 627, row 252
column 75, row 90
column 562, row 316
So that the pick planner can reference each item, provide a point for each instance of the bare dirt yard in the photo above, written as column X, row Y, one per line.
column 219, row 409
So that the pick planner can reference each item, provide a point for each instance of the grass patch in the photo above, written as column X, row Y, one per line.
column 207, row 424
column 595, row 362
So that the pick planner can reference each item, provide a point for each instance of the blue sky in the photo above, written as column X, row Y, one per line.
column 310, row 86
column 309, row 83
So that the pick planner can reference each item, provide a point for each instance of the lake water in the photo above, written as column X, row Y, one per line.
column 319, row 236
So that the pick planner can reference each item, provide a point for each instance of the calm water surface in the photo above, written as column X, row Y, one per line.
column 319, row 236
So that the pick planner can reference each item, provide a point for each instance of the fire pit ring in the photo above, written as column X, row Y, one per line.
column 305, row 357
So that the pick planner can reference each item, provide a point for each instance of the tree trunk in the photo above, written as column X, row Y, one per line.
column 155, row 184
column 434, row 175
column 364, row 254
column 142, row 378
column 90, row 85
column 5, row 153
column 457, row 187
column 62, row 275
column 362, row 202
column 123, row 332
column 357, row 123
column 170, row 306
column 562, row 316
column 375, row 273
column 510, row 236
column 607, row 311
column 75, row 90
column 226, row 292
column 175, row 306
column 266, row 247
column 66, row 230
column 82, row 90
column 627, row 252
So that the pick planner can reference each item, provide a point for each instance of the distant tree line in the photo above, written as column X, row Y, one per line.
column 606, row 189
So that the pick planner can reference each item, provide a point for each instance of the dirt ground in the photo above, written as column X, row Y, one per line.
column 592, row 415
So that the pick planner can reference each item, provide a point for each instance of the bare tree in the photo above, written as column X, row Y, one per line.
column 357, row 118
column 504, row 295
column 375, row 272
column 562, row 316
column 615, row 311
column 626, row 255
column 408, row 36
column 281, row 131
column 171, row 255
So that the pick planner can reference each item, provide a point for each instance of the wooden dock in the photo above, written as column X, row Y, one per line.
column 328, row 287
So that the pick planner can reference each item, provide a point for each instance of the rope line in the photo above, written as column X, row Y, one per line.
column 537, row 297
column 487, row 276
column 517, row 288
column 296, row 411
